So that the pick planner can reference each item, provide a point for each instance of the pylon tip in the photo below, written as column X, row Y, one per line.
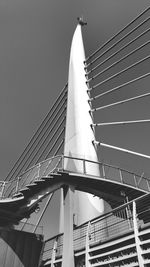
column 81, row 21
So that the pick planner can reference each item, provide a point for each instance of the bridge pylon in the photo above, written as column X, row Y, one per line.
column 79, row 137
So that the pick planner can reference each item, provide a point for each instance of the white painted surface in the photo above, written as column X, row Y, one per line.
column 79, row 134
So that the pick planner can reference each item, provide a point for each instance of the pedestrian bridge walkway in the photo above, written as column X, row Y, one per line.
column 20, row 197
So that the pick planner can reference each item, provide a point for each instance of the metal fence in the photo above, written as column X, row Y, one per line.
column 117, row 222
column 76, row 165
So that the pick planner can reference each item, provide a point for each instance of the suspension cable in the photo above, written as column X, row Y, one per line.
column 47, row 155
column 120, row 31
column 48, row 135
column 34, row 155
column 39, row 130
column 119, row 123
column 56, row 130
column 120, row 102
column 118, row 61
column 117, row 52
column 24, row 159
column 112, row 46
column 60, row 145
column 118, row 73
column 52, row 137
column 43, row 211
column 122, row 149
column 120, row 86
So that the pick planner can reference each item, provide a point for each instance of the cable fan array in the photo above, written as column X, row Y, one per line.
column 118, row 66
column 120, row 69
column 47, row 141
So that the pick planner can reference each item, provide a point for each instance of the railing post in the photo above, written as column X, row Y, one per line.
column 49, row 162
column 54, row 253
column 103, row 169
column 2, row 191
column 148, row 186
column 135, row 180
column 129, row 215
column 62, row 157
column 84, row 167
column 87, row 246
column 17, row 185
column 59, row 160
column 39, row 171
column 121, row 178
column 136, row 233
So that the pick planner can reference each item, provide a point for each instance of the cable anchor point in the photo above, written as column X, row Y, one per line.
column 81, row 21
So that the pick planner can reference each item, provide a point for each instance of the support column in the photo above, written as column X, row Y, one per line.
column 68, row 252
column 136, row 233
column 61, row 212
column 79, row 135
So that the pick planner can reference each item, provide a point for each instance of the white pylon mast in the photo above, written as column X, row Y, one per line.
column 79, row 135
column 79, row 138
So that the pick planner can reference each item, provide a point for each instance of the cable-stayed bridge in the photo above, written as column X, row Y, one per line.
column 63, row 153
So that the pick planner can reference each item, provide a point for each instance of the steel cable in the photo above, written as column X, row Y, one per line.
column 119, row 123
column 130, row 23
column 23, row 168
column 119, row 87
column 120, row 102
column 47, row 155
column 112, row 46
column 52, row 137
column 25, row 159
column 118, row 61
column 37, row 133
column 118, row 51
column 118, row 73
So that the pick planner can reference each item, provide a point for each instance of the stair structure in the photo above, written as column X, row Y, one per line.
column 20, row 197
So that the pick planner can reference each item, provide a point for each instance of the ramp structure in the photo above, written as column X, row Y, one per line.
column 63, row 154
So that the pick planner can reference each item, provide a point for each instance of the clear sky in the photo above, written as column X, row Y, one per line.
column 34, row 54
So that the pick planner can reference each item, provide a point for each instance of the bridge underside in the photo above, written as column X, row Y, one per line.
column 12, row 210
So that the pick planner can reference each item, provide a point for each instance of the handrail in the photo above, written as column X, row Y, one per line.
column 19, row 178
column 75, row 158
column 105, row 164
column 17, row 181
column 98, row 232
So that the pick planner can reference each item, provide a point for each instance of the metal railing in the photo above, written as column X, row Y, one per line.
column 114, row 224
column 108, row 172
column 43, row 169
column 81, row 166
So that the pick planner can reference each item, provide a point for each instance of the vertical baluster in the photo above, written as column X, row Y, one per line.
column 121, row 177
column 148, row 186
column 103, row 170
column 135, row 181
column 3, row 189
column 84, row 167
column 17, row 185
column 87, row 246
column 62, row 161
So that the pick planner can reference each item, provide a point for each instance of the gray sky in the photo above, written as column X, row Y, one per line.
column 34, row 54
